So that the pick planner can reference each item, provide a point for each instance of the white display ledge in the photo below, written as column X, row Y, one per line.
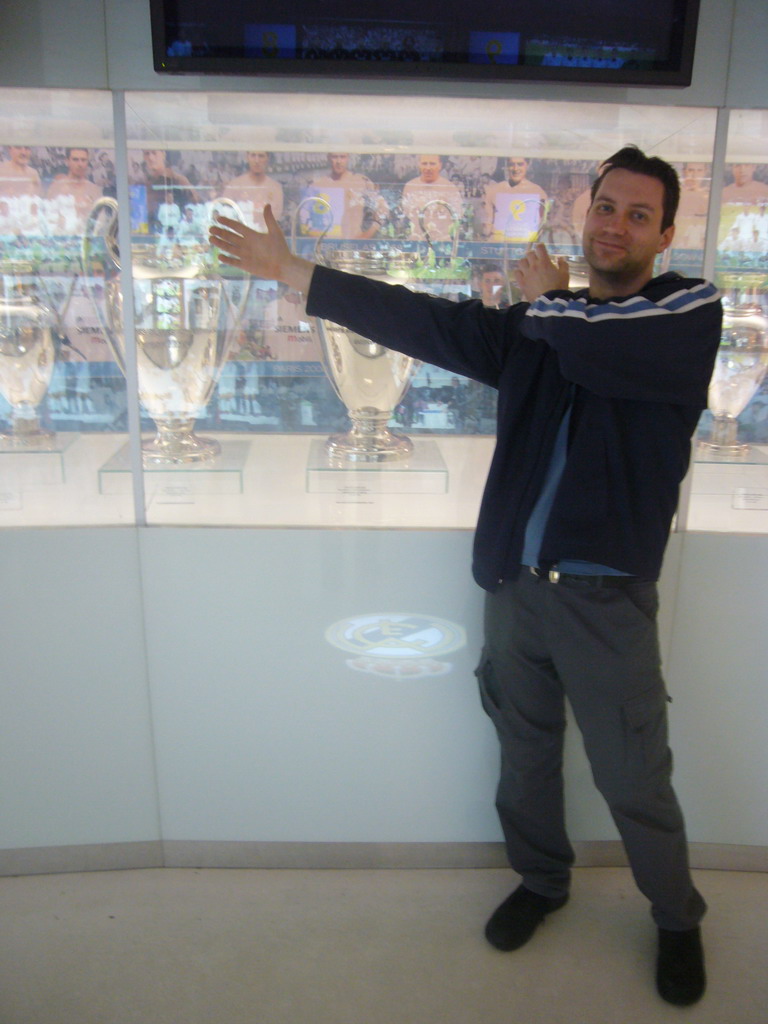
column 274, row 481
column 731, row 497
column 276, row 485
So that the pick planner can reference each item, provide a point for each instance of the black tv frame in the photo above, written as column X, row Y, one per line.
column 677, row 72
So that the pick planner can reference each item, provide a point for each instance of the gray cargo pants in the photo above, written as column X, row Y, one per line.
column 597, row 646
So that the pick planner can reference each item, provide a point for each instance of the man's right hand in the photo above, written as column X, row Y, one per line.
column 536, row 273
column 262, row 254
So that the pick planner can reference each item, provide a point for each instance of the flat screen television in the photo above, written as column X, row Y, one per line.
column 632, row 42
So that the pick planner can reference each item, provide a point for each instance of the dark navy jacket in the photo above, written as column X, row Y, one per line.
column 636, row 370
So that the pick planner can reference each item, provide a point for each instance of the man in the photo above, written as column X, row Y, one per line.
column 494, row 287
column 581, row 205
column 599, row 393
column 744, row 188
column 428, row 186
column 513, row 209
column 190, row 233
column 17, row 178
column 357, row 208
column 255, row 189
column 691, row 220
column 745, row 226
column 76, row 183
column 159, row 180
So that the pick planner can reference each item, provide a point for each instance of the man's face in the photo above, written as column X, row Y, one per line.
column 154, row 160
column 693, row 174
column 257, row 162
column 743, row 173
column 339, row 163
column 492, row 287
column 20, row 155
column 430, row 167
column 77, row 163
column 517, row 168
column 622, row 232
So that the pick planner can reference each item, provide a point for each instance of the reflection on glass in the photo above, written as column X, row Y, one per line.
column 397, row 646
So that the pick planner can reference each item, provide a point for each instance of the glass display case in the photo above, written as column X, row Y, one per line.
column 729, row 488
column 141, row 380
column 62, row 400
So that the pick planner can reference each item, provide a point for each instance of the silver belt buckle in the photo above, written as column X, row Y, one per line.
column 553, row 575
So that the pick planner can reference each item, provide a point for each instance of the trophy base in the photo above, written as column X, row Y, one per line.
column 423, row 472
column 181, row 482
column 723, row 451
column 29, row 441
column 179, row 450
column 383, row 446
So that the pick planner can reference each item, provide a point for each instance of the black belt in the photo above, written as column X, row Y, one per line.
column 583, row 580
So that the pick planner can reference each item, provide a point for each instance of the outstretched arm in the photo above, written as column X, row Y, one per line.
column 263, row 255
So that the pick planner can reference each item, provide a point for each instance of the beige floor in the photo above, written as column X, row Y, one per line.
column 182, row 946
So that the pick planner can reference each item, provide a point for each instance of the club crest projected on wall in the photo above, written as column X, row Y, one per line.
column 397, row 645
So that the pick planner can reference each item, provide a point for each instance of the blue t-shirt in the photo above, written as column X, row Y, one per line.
column 537, row 521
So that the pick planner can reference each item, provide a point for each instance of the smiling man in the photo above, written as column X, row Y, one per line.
column 600, row 391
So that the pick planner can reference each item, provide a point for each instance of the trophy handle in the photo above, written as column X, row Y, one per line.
column 60, row 313
column 236, row 310
column 109, row 235
column 455, row 222
column 295, row 221
column 101, row 223
column 230, row 205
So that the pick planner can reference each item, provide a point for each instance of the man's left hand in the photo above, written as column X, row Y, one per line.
column 536, row 273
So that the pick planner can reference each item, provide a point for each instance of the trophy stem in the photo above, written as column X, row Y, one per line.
column 369, row 440
column 724, row 438
column 177, row 444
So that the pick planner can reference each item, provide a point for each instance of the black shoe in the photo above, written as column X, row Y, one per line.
column 514, row 922
column 680, row 977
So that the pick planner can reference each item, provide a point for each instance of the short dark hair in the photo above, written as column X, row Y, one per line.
column 630, row 158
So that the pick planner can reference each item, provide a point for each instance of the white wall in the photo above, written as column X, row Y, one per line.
column 202, row 652
column 56, row 44
column 748, row 66
column 76, row 746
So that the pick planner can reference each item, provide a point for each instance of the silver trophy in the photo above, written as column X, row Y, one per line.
column 28, row 322
column 370, row 380
column 185, row 320
column 742, row 360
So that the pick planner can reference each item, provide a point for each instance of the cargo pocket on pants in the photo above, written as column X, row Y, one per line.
column 485, row 681
column 646, row 735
